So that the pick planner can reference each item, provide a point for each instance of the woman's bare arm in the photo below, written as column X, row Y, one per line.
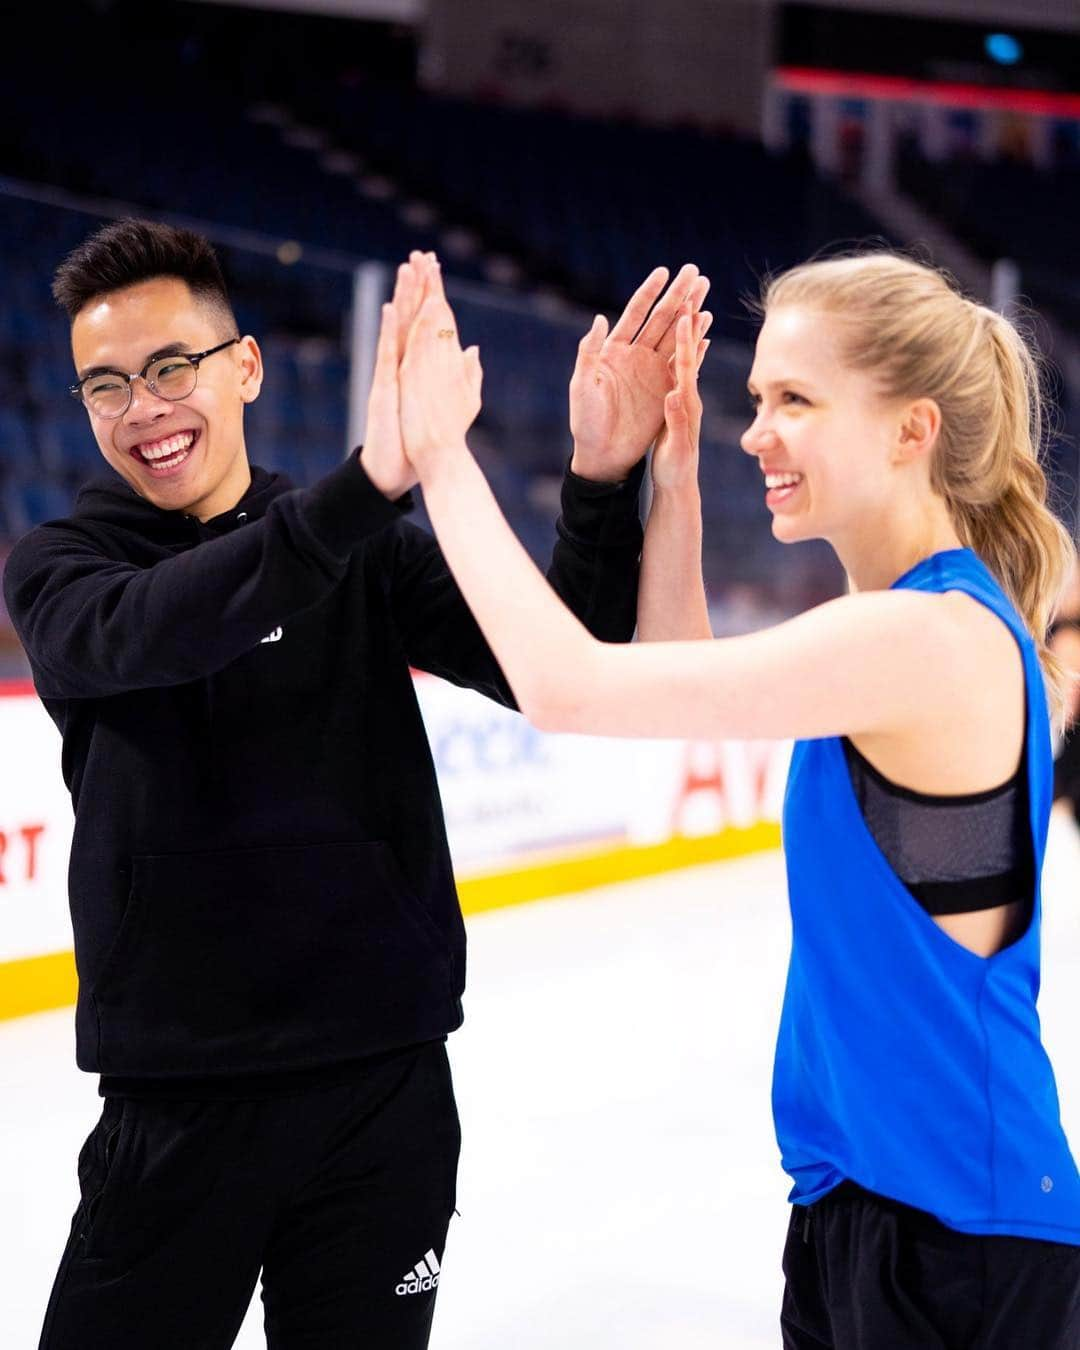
column 872, row 662
column 671, row 590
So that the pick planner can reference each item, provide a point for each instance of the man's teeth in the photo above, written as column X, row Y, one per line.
column 775, row 480
column 156, row 450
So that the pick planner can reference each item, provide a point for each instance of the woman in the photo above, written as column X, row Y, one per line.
column 936, row 1203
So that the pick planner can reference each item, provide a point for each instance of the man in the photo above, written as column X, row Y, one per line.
column 268, row 939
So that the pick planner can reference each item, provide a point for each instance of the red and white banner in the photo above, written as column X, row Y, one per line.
column 35, row 829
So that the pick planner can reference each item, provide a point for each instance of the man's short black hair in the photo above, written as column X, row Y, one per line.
column 128, row 251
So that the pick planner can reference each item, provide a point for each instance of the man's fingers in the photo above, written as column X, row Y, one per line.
column 386, row 350
column 686, row 282
column 693, row 295
column 698, row 291
column 667, row 309
column 474, row 372
column 639, row 304
column 593, row 340
column 408, row 293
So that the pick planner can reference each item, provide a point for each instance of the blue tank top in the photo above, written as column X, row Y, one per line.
column 905, row 1062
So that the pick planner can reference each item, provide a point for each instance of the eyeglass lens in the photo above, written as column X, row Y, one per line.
column 108, row 394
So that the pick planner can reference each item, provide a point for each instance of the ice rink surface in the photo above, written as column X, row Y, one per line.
column 619, row 1183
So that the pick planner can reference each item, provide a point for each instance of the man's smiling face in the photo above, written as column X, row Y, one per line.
column 187, row 455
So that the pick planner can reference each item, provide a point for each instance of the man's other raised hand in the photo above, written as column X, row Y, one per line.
column 622, row 377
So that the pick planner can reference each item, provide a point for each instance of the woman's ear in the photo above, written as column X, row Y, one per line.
column 920, row 427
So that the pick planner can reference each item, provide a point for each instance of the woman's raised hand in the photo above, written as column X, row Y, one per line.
column 675, row 455
column 439, row 383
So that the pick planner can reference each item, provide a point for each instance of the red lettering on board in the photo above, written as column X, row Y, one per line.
column 30, row 836
column 759, row 761
column 702, row 774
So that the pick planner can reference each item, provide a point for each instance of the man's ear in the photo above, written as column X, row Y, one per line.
column 251, row 369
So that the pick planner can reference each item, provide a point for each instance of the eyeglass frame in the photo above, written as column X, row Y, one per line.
column 194, row 358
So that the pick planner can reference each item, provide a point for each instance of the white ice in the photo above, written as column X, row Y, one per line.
column 619, row 1180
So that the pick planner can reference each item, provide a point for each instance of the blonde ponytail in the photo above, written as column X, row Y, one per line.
column 1014, row 532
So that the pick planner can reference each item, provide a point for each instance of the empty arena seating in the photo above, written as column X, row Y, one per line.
column 1008, row 209
column 303, row 157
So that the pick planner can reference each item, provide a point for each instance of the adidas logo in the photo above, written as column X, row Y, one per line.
column 275, row 636
column 423, row 1276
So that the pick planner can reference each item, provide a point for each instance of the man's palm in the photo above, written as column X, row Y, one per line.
column 621, row 378
column 617, row 400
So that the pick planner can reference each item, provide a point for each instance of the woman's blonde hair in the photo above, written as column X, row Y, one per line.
column 907, row 324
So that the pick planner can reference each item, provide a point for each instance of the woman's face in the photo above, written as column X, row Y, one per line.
column 822, row 433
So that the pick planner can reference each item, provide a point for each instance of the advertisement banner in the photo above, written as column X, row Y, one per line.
column 514, row 798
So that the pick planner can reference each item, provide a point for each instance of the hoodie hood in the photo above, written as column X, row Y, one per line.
column 112, row 501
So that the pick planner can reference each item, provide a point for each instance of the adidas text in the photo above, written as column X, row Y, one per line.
column 423, row 1277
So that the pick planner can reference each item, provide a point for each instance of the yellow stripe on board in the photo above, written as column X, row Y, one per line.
column 569, row 875
column 38, row 983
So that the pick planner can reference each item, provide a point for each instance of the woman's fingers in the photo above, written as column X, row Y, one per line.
column 685, row 352
column 434, row 352
column 674, row 411
column 703, row 347
column 433, row 326
column 415, row 279
column 434, row 278
column 678, row 438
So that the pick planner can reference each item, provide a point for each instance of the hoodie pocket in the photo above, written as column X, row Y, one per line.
column 272, row 958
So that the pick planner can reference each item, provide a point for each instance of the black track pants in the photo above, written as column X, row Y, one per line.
column 865, row 1273
column 341, row 1196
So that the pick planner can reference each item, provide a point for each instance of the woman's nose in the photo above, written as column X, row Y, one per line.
column 757, row 437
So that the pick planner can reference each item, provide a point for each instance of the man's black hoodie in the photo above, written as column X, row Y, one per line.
column 260, row 879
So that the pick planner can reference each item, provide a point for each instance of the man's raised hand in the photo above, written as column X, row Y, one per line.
column 383, row 456
column 621, row 378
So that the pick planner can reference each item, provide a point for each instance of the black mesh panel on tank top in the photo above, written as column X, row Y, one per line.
column 954, row 854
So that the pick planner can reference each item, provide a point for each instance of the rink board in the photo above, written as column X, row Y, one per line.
column 528, row 815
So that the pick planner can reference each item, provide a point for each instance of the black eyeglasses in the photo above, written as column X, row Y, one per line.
column 107, row 393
